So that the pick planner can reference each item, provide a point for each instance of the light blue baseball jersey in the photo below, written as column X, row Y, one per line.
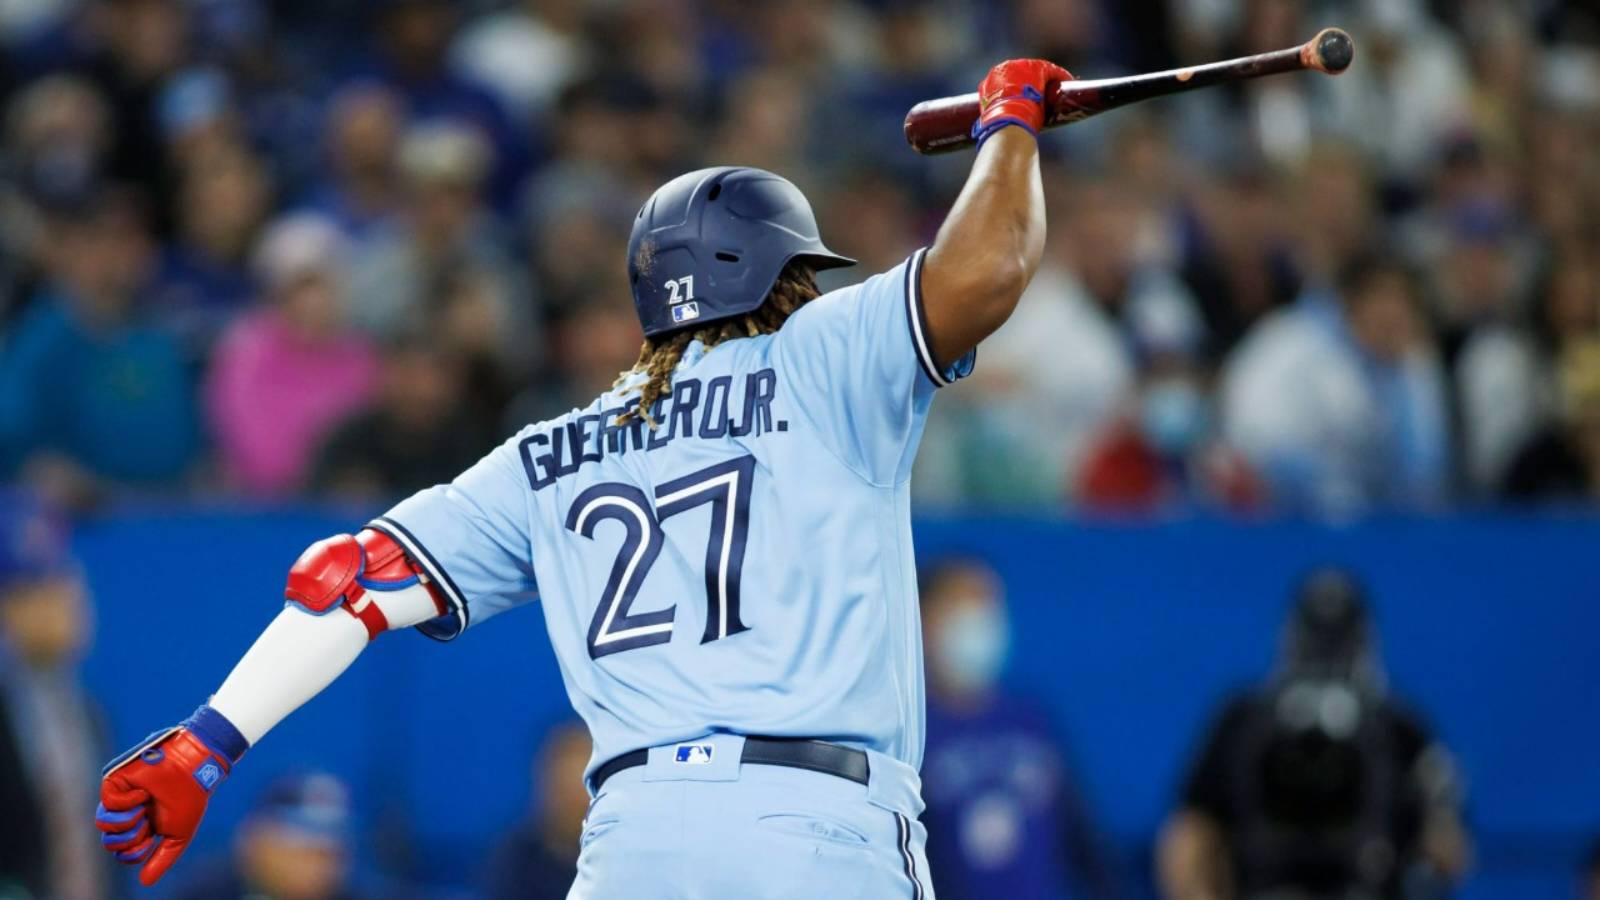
column 744, row 567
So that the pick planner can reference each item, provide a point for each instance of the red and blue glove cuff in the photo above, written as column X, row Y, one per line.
column 1025, row 110
column 217, row 733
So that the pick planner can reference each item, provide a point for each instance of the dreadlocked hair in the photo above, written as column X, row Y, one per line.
column 659, row 357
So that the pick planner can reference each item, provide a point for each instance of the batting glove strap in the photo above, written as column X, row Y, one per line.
column 216, row 732
column 987, row 126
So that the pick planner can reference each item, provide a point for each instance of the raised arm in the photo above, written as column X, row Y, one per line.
column 990, row 244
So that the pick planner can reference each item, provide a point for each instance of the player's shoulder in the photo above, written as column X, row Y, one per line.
column 840, row 306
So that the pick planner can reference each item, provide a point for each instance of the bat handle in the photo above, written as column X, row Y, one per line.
column 945, row 125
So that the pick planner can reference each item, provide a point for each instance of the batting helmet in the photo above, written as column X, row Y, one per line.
column 710, row 244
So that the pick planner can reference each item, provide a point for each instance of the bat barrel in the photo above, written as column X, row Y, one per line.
column 943, row 125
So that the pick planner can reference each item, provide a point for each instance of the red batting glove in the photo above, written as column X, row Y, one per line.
column 1013, row 94
column 153, row 797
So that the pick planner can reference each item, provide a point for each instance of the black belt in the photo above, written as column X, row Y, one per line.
column 793, row 753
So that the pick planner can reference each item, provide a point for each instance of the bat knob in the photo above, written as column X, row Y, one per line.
column 1331, row 51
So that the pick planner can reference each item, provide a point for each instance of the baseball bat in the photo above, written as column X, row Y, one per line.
column 943, row 125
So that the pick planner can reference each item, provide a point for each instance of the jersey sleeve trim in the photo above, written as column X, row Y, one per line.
column 449, row 626
column 918, row 322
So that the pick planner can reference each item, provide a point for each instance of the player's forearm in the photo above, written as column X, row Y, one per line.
column 300, row 654
column 988, row 248
column 292, row 661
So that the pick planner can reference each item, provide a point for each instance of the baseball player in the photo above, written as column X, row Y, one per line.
column 721, row 545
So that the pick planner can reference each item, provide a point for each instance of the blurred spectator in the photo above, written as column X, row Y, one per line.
column 294, row 845
column 413, row 43
column 538, row 860
column 1495, row 371
column 1563, row 461
column 51, row 736
column 205, row 278
column 420, row 433
column 199, row 118
column 445, row 270
column 1164, row 453
column 1335, row 207
column 1239, row 254
column 1409, row 91
column 526, row 53
column 874, row 215
column 57, row 137
column 90, row 391
column 1058, row 371
column 910, row 63
column 757, row 127
column 1318, row 784
column 130, row 50
column 591, row 346
column 286, row 376
column 1004, row 817
column 1340, row 401
column 360, row 187
column 577, row 223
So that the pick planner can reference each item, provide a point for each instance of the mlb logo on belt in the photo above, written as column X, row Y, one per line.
column 686, row 312
column 693, row 754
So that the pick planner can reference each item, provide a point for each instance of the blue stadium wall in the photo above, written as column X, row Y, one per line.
column 1129, row 633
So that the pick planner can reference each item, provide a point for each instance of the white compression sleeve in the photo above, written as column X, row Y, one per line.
column 300, row 654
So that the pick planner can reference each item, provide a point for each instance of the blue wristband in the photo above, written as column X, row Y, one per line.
column 216, row 732
column 981, row 134
column 981, row 130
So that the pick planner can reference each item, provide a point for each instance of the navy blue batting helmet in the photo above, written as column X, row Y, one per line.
column 709, row 245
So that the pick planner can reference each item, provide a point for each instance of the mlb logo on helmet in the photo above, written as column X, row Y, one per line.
column 694, row 754
column 686, row 312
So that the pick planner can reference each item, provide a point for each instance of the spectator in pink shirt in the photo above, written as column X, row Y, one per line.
column 285, row 376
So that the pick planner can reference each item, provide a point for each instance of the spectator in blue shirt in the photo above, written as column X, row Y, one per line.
column 1004, row 817
column 89, row 391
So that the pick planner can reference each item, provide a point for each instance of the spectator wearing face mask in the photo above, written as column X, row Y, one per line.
column 1317, row 785
column 1004, row 817
column 1164, row 451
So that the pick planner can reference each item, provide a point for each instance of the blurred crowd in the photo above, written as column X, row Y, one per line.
column 338, row 249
